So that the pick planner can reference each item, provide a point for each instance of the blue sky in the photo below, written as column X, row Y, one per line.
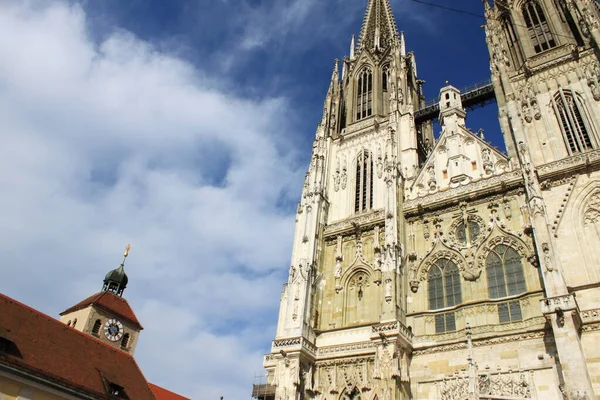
column 184, row 128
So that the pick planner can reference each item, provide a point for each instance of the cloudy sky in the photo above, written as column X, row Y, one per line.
column 184, row 128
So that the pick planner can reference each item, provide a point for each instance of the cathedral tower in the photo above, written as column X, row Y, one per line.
column 345, row 282
column 545, row 69
column 443, row 268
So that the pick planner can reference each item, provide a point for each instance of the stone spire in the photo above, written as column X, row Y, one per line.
column 379, row 27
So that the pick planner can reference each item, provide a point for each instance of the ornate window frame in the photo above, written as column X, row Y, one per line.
column 460, row 220
column 364, row 181
column 540, row 32
column 420, row 273
column 506, row 239
column 574, row 121
column 364, row 92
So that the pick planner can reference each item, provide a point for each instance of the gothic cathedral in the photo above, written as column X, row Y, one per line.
column 441, row 268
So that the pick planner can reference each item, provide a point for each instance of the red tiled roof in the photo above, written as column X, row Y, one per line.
column 49, row 349
column 110, row 302
column 164, row 394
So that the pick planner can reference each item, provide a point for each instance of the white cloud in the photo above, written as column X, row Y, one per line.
column 114, row 142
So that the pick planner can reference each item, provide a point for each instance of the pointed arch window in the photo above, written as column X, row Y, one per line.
column 506, row 278
column 364, row 103
column 385, row 83
column 444, row 291
column 538, row 27
column 385, row 77
column 513, row 41
column 364, row 182
column 570, row 114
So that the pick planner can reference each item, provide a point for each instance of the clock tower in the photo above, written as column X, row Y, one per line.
column 107, row 315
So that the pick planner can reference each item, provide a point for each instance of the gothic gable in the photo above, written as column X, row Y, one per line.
column 458, row 158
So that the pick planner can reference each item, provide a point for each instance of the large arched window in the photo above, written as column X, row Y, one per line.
column 364, row 103
column 444, row 291
column 538, row 26
column 571, row 118
column 505, row 278
column 364, row 182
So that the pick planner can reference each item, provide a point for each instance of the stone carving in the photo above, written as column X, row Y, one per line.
column 547, row 257
column 379, row 163
column 488, row 166
column 431, row 182
column 337, row 273
column 536, row 204
column 286, row 378
column 426, row 233
column 340, row 176
column 526, row 112
column 347, row 376
column 592, row 75
column 591, row 215
column 387, row 364
column 515, row 384
column 507, row 209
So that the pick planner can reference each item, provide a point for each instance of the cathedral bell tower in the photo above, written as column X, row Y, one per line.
column 545, row 69
column 341, row 329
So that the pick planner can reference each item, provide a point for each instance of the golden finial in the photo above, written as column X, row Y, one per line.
column 127, row 248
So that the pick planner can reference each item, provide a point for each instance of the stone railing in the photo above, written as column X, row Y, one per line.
column 590, row 315
column 559, row 303
column 371, row 217
column 395, row 327
column 507, row 385
column 577, row 161
column 509, row 179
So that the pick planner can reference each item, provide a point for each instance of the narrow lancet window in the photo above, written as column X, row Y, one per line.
column 364, row 182
column 571, row 118
column 538, row 26
column 385, row 81
column 364, row 104
column 513, row 42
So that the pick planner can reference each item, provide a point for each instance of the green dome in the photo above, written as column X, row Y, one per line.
column 116, row 280
column 117, row 276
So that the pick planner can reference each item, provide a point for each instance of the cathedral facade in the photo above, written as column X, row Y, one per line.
column 441, row 268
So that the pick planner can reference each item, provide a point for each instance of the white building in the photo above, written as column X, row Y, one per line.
column 444, row 269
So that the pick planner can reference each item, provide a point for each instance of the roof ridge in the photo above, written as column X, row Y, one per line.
column 54, row 320
column 44, row 355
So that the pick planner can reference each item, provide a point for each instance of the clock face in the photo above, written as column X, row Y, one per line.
column 113, row 330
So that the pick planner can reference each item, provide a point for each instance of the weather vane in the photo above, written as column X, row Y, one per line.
column 125, row 254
